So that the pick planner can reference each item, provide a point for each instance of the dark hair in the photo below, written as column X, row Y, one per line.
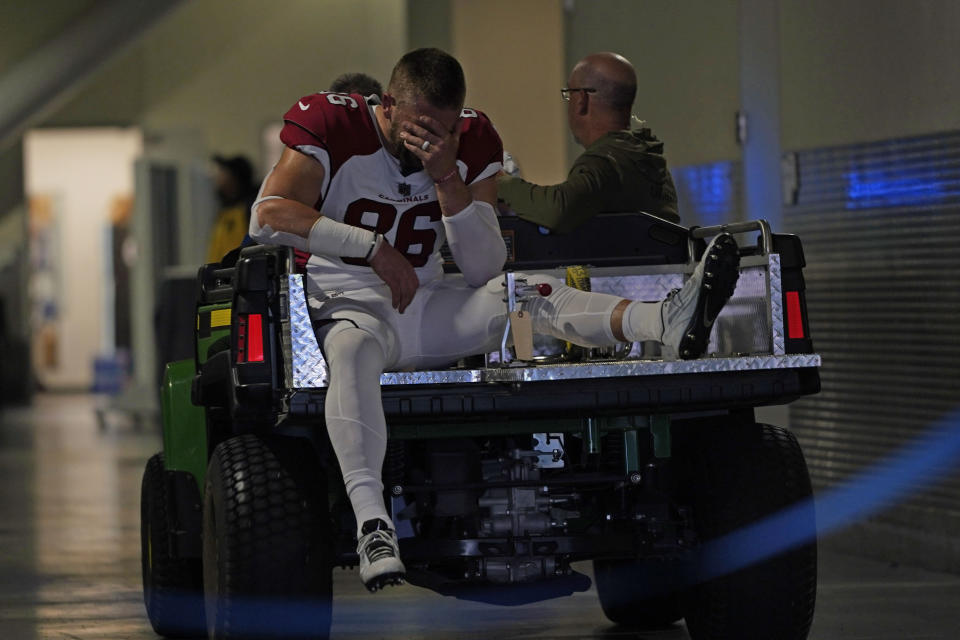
column 432, row 74
column 237, row 166
column 357, row 83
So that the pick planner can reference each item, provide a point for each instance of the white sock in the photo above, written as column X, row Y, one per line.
column 643, row 321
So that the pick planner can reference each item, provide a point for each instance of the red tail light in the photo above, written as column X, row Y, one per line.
column 250, row 337
column 255, row 340
column 794, row 316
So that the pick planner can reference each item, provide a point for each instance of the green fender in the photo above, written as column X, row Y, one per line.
column 184, row 424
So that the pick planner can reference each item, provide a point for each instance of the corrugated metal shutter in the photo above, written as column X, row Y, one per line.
column 880, row 225
column 709, row 194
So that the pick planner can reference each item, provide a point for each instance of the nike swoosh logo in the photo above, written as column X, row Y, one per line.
column 707, row 323
column 303, row 107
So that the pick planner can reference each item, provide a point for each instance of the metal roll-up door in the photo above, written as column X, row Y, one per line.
column 880, row 225
column 709, row 194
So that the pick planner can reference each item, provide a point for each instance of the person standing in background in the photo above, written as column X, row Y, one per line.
column 236, row 191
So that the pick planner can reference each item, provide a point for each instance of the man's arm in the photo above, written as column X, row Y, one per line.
column 596, row 183
column 287, row 197
column 560, row 207
column 284, row 214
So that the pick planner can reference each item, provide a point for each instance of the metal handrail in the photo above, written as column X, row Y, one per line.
column 766, row 235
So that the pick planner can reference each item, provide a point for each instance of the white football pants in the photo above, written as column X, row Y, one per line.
column 446, row 321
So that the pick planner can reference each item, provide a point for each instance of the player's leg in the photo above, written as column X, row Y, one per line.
column 358, row 433
column 461, row 321
column 681, row 323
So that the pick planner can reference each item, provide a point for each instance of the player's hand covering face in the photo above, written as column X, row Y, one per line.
column 418, row 124
column 409, row 163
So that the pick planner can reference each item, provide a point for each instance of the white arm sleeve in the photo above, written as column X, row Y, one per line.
column 327, row 237
column 476, row 242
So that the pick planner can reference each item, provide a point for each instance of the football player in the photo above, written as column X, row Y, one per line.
column 372, row 191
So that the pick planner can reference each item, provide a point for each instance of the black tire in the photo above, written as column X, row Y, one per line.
column 266, row 548
column 172, row 587
column 622, row 587
column 738, row 474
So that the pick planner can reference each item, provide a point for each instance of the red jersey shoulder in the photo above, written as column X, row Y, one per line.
column 480, row 143
column 334, row 121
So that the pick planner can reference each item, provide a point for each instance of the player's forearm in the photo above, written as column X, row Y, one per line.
column 476, row 243
column 278, row 220
column 284, row 215
column 453, row 195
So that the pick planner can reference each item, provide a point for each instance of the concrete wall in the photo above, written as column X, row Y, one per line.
column 514, row 70
column 686, row 57
column 428, row 24
column 864, row 70
column 27, row 24
column 851, row 71
column 226, row 68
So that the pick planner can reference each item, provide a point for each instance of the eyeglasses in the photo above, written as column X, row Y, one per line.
column 565, row 92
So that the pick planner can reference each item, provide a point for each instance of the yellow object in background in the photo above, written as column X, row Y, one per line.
column 228, row 232
column 578, row 277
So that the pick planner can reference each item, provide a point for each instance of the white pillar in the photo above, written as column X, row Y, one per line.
column 760, row 104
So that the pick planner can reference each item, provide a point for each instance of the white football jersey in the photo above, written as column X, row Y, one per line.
column 363, row 185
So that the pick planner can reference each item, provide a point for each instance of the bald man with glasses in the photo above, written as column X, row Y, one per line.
column 621, row 169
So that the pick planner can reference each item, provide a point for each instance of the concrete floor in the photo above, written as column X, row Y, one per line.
column 70, row 558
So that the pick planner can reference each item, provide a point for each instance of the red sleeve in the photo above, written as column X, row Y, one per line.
column 339, row 123
column 305, row 122
column 480, row 144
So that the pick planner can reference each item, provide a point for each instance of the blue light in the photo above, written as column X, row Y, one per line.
column 875, row 188
column 914, row 467
column 706, row 192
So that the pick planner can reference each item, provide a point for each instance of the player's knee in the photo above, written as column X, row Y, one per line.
column 350, row 345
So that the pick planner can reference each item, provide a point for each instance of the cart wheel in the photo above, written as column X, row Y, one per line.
column 738, row 474
column 624, row 599
column 172, row 587
column 267, row 568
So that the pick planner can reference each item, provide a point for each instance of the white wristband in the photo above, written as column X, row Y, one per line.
column 326, row 238
column 331, row 238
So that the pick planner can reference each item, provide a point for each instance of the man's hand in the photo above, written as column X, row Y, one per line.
column 397, row 273
column 440, row 156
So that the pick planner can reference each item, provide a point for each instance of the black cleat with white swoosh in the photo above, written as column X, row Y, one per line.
column 688, row 313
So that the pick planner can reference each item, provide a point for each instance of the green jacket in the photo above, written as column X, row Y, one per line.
column 622, row 171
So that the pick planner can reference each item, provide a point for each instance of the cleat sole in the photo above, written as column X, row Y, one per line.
column 716, row 288
column 383, row 580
